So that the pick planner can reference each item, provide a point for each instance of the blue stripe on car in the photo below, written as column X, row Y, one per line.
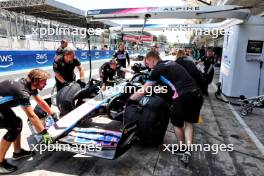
column 6, row 99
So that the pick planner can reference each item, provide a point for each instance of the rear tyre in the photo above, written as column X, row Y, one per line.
column 152, row 117
column 65, row 98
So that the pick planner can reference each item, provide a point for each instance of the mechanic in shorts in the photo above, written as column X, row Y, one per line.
column 183, row 94
column 14, row 93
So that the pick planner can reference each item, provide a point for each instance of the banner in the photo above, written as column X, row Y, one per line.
column 20, row 60
column 142, row 38
column 175, row 12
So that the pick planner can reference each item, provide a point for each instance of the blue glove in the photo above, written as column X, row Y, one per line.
column 49, row 122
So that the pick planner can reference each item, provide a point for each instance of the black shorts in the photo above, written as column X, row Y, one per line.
column 8, row 119
column 186, row 108
column 121, row 73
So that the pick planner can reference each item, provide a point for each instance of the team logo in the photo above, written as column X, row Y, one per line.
column 83, row 55
column 97, row 54
column 6, row 61
column 174, row 9
column 41, row 58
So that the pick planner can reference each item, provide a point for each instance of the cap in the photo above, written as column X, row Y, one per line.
column 68, row 50
column 63, row 41
column 154, row 45
column 113, row 61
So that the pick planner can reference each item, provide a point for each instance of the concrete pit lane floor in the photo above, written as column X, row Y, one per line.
column 219, row 128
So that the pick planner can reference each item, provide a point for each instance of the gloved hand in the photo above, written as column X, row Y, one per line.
column 81, row 82
column 129, row 102
column 49, row 122
column 55, row 117
column 46, row 138
column 66, row 83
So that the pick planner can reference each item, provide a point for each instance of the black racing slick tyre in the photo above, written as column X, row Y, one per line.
column 152, row 130
column 152, row 117
column 65, row 97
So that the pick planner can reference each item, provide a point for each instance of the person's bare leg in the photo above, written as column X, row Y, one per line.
column 188, row 131
column 17, row 144
column 179, row 132
column 4, row 146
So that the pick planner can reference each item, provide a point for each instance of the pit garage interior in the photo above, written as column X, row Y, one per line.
column 221, row 124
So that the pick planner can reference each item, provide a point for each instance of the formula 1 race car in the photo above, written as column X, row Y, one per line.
column 107, row 119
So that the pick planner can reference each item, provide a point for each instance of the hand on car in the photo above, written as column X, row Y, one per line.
column 55, row 117
column 66, row 83
column 46, row 138
column 130, row 101
column 81, row 82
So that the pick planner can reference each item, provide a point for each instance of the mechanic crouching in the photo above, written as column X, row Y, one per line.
column 108, row 70
column 64, row 66
column 14, row 93
column 183, row 94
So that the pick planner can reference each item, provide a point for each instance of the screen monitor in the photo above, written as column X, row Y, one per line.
column 255, row 46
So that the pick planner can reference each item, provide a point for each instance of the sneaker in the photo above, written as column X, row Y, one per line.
column 186, row 157
column 6, row 168
column 177, row 152
column 23, row 154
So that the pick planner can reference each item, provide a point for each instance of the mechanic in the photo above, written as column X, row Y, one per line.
column 208, row 62
column 64, row 66
column 108, row 70
column 196, row 74
column 154, row 47
column 14, row 93
column 202, row 52
column 183, row 94
column 63, row 45
column 121, row 56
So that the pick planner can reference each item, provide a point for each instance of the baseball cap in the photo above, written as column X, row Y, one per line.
column 67, row 51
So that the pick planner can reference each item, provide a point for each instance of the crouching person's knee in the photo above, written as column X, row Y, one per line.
column 14, row 130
